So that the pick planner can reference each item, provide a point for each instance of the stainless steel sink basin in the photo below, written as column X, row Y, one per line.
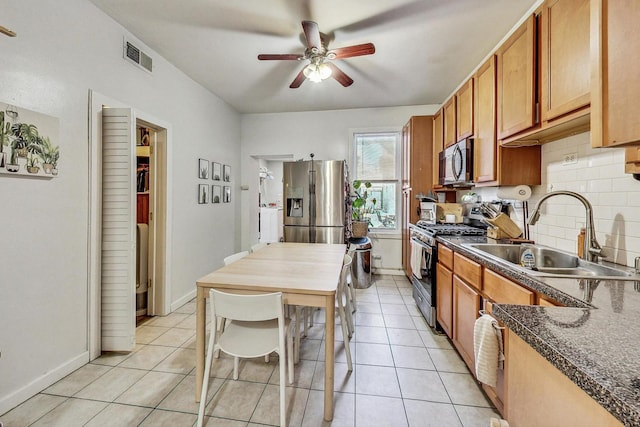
column 544, row 261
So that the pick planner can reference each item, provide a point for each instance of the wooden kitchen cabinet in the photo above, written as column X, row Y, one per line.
column 417, row 161
column 464, row 110
column 632, row 160
column 468, row 270
column 493, row 164
column 466, row 305
column 449, row 122
column 504, row 291
column 438, row 146
column 517, row 89
column 565, row 62
column 444, row 298
column 538, row 394
column 615, row 88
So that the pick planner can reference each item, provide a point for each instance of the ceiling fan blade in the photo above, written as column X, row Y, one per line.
column 298, row 80
column 312, row 34
column 339, row 75
column 284, row 56
column 356, row 50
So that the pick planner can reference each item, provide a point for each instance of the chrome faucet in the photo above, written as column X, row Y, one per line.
column 592, row 249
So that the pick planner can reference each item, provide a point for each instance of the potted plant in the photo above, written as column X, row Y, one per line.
column 32, row 163
column 13, row 165
column 25, row 135
column 5, row 133
column 359, row 208
column 49, row 154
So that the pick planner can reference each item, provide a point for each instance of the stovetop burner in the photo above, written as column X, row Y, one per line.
column 450, row 229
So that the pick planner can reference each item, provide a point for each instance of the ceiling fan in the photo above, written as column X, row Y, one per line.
column 320, row 66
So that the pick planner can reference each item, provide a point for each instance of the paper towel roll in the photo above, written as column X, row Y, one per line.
column 519, row 192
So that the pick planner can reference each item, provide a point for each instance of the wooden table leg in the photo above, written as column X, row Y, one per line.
column 330, row 322
column 201, row 326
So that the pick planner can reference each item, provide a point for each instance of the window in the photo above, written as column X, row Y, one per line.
column 376, row 160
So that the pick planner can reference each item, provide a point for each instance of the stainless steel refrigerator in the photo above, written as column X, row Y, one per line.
column 314, row 193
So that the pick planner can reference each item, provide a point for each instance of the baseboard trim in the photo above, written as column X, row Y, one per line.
column 183, row 300
column 39, row 384
column 389, row 271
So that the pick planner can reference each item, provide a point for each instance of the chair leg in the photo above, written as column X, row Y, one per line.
column 296, row 331
column 290, row 354
column 283, row 390
column 345, row 337
column 205, row 380
column 349, row 318
column 220, row 322
column 236, row 364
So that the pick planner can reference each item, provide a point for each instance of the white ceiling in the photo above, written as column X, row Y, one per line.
column 424, row 48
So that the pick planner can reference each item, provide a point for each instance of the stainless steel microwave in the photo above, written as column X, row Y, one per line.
column 456, row 164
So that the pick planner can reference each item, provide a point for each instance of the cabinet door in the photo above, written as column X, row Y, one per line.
column 450, row 122
column 444, row 298
column 504, row 291
column 438, row 146
column 485, row 144
column 517, row 81
column 464, row 111
column 466, row 304
column 615, row 87
column 565, row 61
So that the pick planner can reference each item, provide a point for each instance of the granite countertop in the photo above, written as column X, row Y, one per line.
column 594, row 340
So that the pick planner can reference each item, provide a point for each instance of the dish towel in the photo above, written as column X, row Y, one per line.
column 487, row 346
column 498, row 423
column 417, row 260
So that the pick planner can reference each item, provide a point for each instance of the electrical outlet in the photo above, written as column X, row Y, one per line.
column 570, row 159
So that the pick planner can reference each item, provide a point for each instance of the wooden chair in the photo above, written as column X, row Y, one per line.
column 233, row 258
column 257, row 247
column 256, row 327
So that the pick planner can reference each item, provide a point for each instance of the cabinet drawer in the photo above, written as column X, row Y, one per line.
column 504, row 291
column 468, row 270
column 445, row 256
column 545, row 302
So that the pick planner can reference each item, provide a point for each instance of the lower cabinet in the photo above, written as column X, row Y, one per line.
column 538, row 394
column 444, row 298
column 466, row 304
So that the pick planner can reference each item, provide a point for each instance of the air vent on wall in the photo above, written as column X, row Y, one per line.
column 138, row 57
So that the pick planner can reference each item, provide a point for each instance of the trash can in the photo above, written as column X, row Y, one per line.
column 361, row 264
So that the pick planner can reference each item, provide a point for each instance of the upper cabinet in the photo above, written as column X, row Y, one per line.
column 464, row 111
column 517, row 96
column 449, row 122
column 615, row 56
column 438, row 146
column 564, row 59
column 493, row 164
column 544, row 76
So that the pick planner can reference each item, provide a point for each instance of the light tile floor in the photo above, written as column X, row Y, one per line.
column 404, row 375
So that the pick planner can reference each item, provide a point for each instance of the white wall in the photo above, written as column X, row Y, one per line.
column 599, row 176
column 326, row 134
column 62, row 50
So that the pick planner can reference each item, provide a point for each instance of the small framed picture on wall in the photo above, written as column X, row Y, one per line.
column 226, row 173
column 216, row 193
column 217, row 171
column 203, row 193
column 227, row 194
column 203, row 169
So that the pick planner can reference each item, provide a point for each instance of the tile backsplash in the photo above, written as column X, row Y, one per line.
column 597, row 174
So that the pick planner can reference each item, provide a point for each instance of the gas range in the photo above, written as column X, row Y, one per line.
column 426, row 232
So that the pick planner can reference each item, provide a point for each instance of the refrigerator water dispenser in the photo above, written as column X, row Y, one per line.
column 294, row 207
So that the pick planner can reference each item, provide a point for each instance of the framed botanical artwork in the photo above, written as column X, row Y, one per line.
column 227, row 194
column 203, row 193
column 216, row 193
column 203, row 169
column 217, row 171
column 226, row 173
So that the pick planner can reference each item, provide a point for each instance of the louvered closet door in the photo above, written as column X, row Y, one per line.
column 118, row 230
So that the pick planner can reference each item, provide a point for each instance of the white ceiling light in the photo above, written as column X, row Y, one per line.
column 317, row 71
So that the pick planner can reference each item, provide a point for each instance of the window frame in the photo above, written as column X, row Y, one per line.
column 397, row 131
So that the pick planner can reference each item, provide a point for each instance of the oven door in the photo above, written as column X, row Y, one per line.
column 423, row 279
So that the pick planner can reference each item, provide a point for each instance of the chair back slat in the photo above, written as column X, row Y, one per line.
column 233, row 258
column 247, row 308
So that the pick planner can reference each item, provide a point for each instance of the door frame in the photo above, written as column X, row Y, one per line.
column 161, row 303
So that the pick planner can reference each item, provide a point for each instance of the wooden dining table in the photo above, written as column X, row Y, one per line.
column 307, row 274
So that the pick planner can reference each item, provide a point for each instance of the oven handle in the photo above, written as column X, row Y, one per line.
column 428, row 249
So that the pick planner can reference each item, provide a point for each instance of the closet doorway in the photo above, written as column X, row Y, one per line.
column 119, row 167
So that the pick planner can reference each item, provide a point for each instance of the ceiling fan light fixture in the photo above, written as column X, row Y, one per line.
column 317, row 72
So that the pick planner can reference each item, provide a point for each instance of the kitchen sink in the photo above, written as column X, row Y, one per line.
column 538, row 260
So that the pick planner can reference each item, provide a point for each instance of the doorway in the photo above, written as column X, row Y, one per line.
column 157, row 182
